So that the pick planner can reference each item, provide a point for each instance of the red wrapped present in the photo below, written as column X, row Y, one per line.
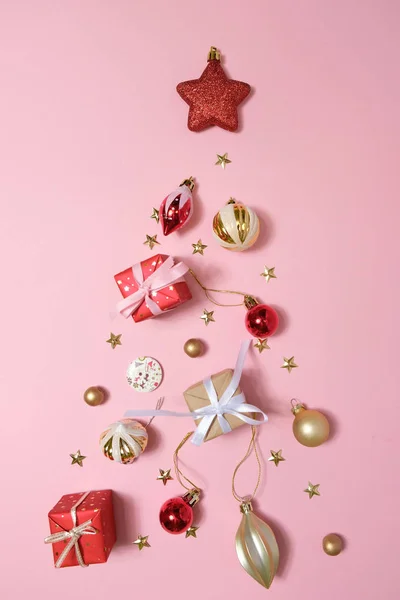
column 152, row 287
column 82, row 529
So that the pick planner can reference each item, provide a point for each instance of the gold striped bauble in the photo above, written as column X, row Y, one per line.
column 124, row 441
column 236, row 227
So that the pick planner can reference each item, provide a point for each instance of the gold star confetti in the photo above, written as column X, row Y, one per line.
column 164, row 476
column 191, row 532
column 114, row 340
column 223, row 160
column 151, row 241
column 312, row 490
column 268, row 273
column 155, row 215
column 198, row 248
column 207, row 316
column 262, row 345
column 77, row 458
column 289, row 364
column 142, row 542
column 276, row 457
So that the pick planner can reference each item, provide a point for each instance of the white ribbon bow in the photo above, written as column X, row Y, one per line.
column 227, row 404
column 73, row 535
column 165, row 275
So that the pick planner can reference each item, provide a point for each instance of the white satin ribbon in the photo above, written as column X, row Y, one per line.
column 117, row 432
column 72, row 535
column 167, row 274
column 228, row 404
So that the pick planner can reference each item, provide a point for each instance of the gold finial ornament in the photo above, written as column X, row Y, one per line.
column 214, row 54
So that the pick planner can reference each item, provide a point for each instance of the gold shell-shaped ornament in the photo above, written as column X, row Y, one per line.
column 124, row 441
column 236, row 227
column 256, row 547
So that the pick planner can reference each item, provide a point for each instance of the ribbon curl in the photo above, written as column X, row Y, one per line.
column 73, row 535
column 228, row 404
column 167, row 274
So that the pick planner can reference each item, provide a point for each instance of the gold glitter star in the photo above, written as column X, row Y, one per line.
column 223, row 160
column 262, row 345
column 191, row 532
column 151, row 241
column 198, row 248
column 114, row 340
column 207, row 316
column 155, row 215
column 142, row 542
column 268, row 273
column 276, row 457
column 164, row 476
column 77, row 458
column 289, row 364
column 312, row 490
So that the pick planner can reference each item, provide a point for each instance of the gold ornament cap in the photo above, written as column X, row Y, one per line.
column 246, row 507
column 189, row 183
column 231, row 201
column 250, row 302
column 297, row 407
column 214, row 54
column 192, row 496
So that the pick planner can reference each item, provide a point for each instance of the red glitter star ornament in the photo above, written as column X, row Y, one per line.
column 213, row 98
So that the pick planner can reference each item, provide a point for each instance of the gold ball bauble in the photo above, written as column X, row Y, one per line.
column 332, row 544
column 194, row 348
column 93, row 396
column 310, row 427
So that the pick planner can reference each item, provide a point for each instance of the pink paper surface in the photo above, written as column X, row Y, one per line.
column 93, row 135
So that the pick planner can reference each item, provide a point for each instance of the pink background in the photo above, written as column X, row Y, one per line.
column 93, row 135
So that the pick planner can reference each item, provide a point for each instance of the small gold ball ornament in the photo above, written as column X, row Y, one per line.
column 332, row 544
column 193, row 348
column 93, row 396
column 310, row 427
column 236, row 227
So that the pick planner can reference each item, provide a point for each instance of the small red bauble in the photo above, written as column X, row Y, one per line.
column 261, row 320
column 177, row 208
column 176, row 516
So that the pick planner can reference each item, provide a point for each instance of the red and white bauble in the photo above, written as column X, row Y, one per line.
column 177, row 208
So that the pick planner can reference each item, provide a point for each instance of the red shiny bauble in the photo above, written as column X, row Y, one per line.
column 176, row 516
column 262, row 321
column 177, row 208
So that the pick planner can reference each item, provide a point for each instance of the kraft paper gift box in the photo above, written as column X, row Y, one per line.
column 196, row 397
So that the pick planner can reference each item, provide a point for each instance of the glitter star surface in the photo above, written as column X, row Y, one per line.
column 155, row 215
column 114, row 340
column 207, row 316
column 151, row 241
column 289, row 364
column 312, row 490
column 142, row 542
column 164, row 476
column 268, row 273
column 77, row 458
column 213, row 98
column 223, row 160
column 191, row 532
column 262, row 345
column 198, row 248
column 276, row 457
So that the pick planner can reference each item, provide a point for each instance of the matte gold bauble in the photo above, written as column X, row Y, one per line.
column 193, row 348
column 236, row 227
column 332, row 544
column 310, row 427
column 93, row 396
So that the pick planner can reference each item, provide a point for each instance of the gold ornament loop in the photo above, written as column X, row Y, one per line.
column 194, row 490
column 207, row 290
column 245, row 501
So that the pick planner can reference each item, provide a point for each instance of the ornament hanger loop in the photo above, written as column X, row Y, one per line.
column 178, row 472
column 207, row 290
column 252, row 446
column 294, row 402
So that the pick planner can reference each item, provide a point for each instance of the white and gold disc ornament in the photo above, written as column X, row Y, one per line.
column 124, row 441
column 236, row 227
column 144, row 374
